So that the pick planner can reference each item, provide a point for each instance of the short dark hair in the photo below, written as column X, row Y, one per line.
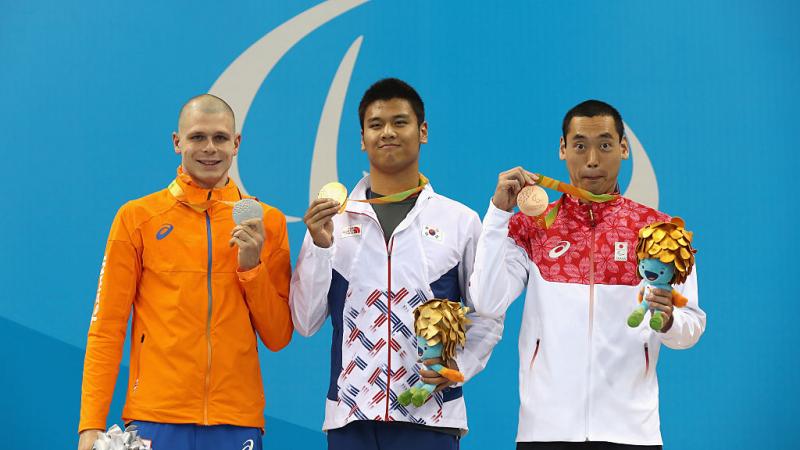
column 387, row 89
column 592, row 108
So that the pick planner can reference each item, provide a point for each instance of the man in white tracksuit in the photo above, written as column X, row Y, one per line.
column 369, row 267
column 587, row 380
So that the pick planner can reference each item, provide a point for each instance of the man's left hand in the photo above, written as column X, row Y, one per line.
column 249, row 237
column 433, row 377
column 661, row 300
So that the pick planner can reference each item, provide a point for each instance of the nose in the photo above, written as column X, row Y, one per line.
column 388, row 132
column 592, row 161
column 209, row 147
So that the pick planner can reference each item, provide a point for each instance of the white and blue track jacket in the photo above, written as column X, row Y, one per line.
column 370, row 289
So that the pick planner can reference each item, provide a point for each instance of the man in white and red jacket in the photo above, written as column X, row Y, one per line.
column 587, row 380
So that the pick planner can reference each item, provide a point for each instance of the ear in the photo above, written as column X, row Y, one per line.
column 562, row 148
column 423, row 133
column 176, row 140
column 236, row 142
column 624, row 145
column 363, row 147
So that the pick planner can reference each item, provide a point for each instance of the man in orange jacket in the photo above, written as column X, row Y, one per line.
column 200, row 287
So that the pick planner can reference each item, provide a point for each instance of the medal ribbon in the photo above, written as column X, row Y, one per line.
column 177, row 191
column 397, row 197
column 546, row 220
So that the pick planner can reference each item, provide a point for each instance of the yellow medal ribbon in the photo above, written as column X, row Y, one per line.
column 546, row 220
column 177, row 191
column 337, row 191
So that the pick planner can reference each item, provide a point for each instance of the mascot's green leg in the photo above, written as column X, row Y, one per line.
column 405, row 397
column 636, row 318
column 419, row 397
column 657, row 321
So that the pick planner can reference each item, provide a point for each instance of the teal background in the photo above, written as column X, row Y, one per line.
column 90, row 93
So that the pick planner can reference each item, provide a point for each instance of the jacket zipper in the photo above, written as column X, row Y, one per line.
column 591, row 324
column 389, row 246
column 646, row 359
column 208, row 321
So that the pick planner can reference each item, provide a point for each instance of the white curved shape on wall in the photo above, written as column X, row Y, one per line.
column 643, row 187
column 323, row 162
column 240, row 82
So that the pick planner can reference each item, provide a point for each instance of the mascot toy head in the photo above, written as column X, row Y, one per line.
column 440, row 325
column 665, row 252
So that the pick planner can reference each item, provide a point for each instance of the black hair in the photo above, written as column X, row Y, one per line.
column 592, row 108
column 387, row 89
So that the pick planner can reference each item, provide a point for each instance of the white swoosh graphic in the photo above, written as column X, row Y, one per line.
column 643, row 187
column 323, row 162
column 240, row 82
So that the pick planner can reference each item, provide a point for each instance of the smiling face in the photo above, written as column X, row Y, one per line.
column 593, row 150
column 426, row 351
column 655, row 271
column 207, row 142
column 392, row 136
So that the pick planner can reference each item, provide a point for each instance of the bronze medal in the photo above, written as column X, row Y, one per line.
column 532, row 200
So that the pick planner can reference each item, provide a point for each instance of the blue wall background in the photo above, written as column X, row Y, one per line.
column 91, row 90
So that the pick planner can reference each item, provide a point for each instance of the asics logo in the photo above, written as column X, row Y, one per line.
column 164, row 231
column 248, row 445
column 559, row 249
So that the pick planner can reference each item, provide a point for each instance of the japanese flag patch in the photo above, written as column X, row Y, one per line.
column 620, row 251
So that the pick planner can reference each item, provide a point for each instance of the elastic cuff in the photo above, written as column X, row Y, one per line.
column 496, row 217
column 466, row 364
column 674, row 330
column 321, row 252
column 249, row 275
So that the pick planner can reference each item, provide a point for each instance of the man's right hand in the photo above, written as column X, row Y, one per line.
column 87, row 438
column 509, row 183
column 319, row 221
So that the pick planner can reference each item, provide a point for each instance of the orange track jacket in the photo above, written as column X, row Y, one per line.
column 193, row 346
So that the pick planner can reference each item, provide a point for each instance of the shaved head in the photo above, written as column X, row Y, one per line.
column 206, row 140
column 208, row 104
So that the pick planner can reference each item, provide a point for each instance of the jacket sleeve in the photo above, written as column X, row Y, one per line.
column 311, row 282
column 501, row 266
column 116, row 290
column 266, row 286
column 483, row 333
column 689, row 322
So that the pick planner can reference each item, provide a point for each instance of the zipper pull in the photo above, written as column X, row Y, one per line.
column 591, row 216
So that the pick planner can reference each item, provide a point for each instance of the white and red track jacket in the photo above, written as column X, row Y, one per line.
column 374, row 350
column 584, row 374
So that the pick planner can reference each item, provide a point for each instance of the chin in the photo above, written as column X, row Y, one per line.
column 595, row 188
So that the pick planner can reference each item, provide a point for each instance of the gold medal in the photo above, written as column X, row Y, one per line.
column 532, row 200
column 335, row 191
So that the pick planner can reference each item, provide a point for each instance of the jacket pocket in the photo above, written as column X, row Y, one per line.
column 138, row 364
column 535, row 354
column 524, row 382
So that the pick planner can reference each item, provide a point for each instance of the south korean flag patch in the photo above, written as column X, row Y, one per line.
column 433, row 233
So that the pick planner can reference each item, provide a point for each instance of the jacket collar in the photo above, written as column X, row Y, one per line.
column 360, row 193
column 589, row 213
column 195, row 194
